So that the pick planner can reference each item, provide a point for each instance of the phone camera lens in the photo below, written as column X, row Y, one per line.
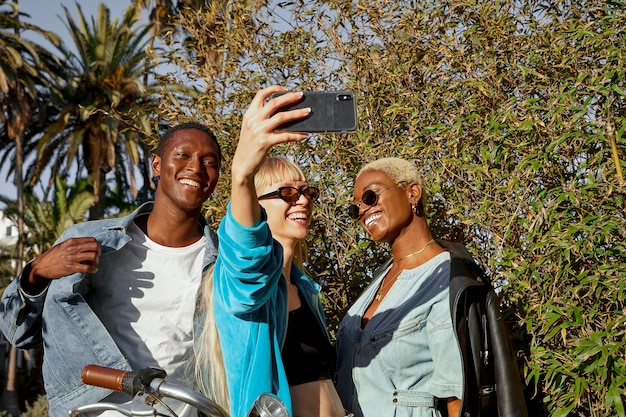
column 344, row 97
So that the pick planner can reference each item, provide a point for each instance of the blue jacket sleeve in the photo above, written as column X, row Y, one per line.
column 248, row 266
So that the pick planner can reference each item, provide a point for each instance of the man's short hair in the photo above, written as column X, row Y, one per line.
column 167, row 135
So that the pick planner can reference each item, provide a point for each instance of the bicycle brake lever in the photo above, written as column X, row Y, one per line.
column 136, row 407
column 142, row 379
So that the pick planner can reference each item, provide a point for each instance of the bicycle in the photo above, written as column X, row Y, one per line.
column 148, row 386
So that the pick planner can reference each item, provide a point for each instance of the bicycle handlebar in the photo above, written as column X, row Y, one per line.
column 152, row 381
column 113, row 379
column 119, row 380
column 146, row 381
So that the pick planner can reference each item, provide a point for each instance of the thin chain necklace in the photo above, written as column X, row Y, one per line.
column 417, row 252
column 382, row 288
column 386, row 284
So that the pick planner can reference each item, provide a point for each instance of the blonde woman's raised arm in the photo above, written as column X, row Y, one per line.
column 256, row 138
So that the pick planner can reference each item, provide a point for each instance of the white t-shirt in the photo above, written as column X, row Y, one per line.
column 160, row 282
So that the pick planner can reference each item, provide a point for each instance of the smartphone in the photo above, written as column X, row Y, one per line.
column 331, row 112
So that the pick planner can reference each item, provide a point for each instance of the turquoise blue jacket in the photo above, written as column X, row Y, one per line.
column 251, row 311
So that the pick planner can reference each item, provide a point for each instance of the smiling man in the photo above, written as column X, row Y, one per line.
column 122, row 292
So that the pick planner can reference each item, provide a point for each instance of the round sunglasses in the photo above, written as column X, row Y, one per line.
column 292, row 194
column 369, row 198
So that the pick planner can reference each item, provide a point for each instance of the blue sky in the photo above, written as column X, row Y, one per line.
column 49, row 15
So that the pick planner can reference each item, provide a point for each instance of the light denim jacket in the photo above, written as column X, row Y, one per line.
column 251, row 311
column 61, row 319
column 406, row 357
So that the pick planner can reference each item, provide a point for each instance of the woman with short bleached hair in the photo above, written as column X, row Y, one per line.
column 408, row 345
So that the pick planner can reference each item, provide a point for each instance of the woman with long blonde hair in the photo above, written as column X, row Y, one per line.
column 267, row 315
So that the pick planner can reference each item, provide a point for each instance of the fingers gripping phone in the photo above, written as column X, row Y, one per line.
column 331, row 112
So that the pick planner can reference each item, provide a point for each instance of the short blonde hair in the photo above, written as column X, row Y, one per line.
column 277, row 169
column 399, row 170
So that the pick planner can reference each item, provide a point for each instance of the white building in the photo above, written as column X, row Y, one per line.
column 8, row 240
column 8, row 234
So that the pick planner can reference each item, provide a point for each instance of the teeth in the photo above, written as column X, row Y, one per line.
column 297, row 216
column 190, row 182
column 371, row 219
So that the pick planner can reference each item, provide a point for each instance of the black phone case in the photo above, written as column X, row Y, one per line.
column 331, row 112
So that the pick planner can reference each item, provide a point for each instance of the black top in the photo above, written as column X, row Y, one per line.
column 307, row 354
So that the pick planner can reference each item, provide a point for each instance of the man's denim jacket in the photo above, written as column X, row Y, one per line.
column 61, row 319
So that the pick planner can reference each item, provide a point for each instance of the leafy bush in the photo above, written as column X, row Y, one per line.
column 38, row 408
column 514, row 111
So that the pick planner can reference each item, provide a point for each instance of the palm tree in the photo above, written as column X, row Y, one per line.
column 25, row 68
column 104, row 107
column 27, row 71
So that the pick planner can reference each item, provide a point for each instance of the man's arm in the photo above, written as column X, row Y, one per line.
column 20, row 313
column 22, row 302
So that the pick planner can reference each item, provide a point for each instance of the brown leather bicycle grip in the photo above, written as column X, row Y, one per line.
column 103, row 377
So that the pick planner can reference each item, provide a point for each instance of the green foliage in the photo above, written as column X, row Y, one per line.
column 515, row 113
column 7, row 270
column 513, row 110
column 45, row 220
column 29, row 387
column 38, row 408
column 22, row 62
column 29, row 390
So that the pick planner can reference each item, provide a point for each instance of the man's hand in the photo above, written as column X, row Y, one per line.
column 74, row 255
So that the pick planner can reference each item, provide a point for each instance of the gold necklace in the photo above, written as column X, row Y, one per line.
column 431, row 241
column 383, row 287
column 379, row 293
